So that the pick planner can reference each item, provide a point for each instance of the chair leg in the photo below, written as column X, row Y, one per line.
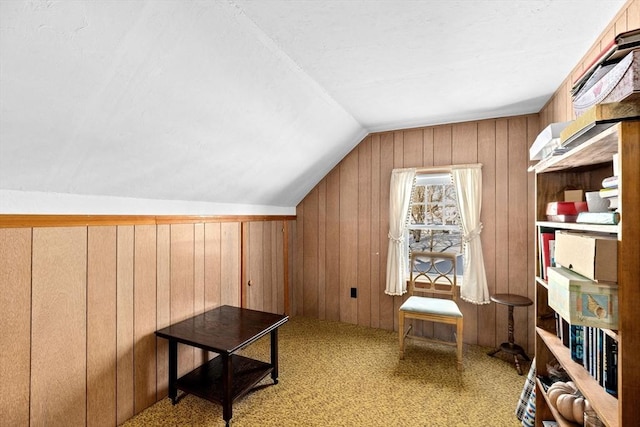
column 459, row 328
column 401, row 333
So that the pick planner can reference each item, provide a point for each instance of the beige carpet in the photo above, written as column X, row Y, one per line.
column 337, row 374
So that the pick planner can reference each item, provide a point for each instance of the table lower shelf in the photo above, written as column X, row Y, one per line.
column 206, row 380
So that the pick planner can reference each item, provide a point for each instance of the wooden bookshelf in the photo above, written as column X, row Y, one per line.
column 584, row 167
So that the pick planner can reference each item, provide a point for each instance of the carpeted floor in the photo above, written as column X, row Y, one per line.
column 337, row 374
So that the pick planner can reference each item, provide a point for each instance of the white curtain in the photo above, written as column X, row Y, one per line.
column 401, row 186
column 468, row 182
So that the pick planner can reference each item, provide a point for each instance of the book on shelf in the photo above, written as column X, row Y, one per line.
column 618, row 47
column 613, row 203
column 576, row 344
column 610, row 182
column 607, row 218
column 611, row 365
column 545, row 252
column 596, row 119
column 608, row 192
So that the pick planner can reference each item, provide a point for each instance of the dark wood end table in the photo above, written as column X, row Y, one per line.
column 511, row 300
column 228, row 376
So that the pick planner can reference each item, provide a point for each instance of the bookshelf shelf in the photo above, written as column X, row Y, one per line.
column 556, row 415
column 600, row 228
column 584, row 167
column 607, row 407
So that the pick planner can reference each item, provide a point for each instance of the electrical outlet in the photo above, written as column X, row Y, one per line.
column 354, row 293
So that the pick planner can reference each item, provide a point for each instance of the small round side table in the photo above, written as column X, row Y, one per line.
column 511, row 300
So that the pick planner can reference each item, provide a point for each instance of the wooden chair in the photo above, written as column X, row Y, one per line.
column 432, row 273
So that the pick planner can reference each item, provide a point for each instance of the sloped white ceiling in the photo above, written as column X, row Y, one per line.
column 214, row 107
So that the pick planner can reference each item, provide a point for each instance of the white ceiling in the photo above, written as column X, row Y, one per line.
column 244, row 105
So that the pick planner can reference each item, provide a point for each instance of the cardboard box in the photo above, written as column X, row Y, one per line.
column 573, row 196
column 592, row 255
column 581, row 301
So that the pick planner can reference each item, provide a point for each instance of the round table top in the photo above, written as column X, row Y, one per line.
column 511, row 299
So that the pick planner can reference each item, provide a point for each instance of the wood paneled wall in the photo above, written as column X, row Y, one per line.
column 559, row 107
column 343, row 224
column 80, row 305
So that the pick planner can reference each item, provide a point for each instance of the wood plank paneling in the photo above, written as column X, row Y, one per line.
column 487, row 156
column 144, row 298
column 124, row 323
column 322, row 249
column 198, row 268
column 364, row 234
column 386, row 305
column 279, row 255
column 59, row 327
column 101, row 326
column 290, row 264
column 297, row 294
column 163, row 306
column 182, row 287
column 15, row 318
column 254, row 282
column 332, row 289
column 376, row 286
column 501, row 226
column 501, row 145
column 533, row 124
column 201, row 356
column 212, row 267
column 518, row 227
column 81, row 348
column 267, row 267
column 310, row 291
column 349, row 237
column 230, row 264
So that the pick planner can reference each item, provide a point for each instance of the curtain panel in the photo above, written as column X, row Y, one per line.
column 468, row 183
column 401, row 188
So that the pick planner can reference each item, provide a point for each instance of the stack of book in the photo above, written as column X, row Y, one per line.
column 609, row 191
column 610, row 186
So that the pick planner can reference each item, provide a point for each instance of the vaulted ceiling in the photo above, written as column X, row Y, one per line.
column 214, row 107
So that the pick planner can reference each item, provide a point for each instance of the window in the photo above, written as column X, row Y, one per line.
column 449, row 219
column 434, row 222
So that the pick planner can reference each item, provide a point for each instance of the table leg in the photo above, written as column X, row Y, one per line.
column 518, row 368
column 511, row 340
column 227, row 387
column 274, row 355
column 173, row 371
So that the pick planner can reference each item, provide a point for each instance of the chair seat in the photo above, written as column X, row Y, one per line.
column 438, row 306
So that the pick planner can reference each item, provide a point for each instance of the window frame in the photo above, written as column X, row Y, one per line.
column 426, row 179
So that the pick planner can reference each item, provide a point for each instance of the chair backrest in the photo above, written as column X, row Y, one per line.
column 433, row 273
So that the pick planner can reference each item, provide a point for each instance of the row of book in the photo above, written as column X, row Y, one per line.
column 594, row 349
column 546, row 250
